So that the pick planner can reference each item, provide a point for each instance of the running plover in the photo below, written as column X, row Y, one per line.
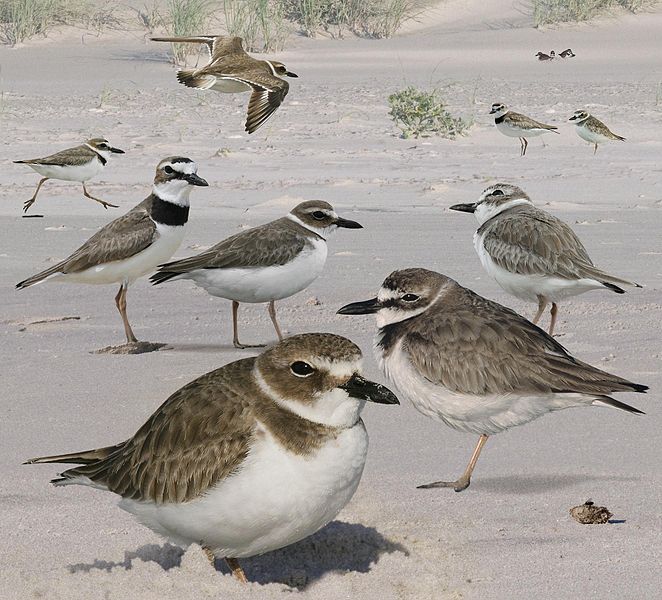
column 232, row 70
column 251, row 457
column 543, row 56
column 592, row 130
column 80, row 163
column 567, row 54
column 265, row 263
column 516, row 125
column 473, row 364
column 135, row 243
column 531, row 254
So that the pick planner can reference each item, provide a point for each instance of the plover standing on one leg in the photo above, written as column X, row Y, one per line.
column 592, row 130
column 231, row 70
column 531, row 254
column 263, row 264
column 81, row 163
column 248, row 458
column 135, row 243
column 473, row 364
column 516, row 125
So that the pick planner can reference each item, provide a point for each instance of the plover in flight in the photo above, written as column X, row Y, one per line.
column 265, row 263
column 231, row 70
column 531, row 254
column 543, row 56
column 592, row 130
column 516, row 125
column 473, row 364
column 135, row 243
column 567, row 54
column 81, row 163
column 248, row 458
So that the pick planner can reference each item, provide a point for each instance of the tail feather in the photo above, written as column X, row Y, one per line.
column 190, row 78
column 85, row 457
column 161, row 276
column 39, row 276
column 613, row 403
column 609, row 281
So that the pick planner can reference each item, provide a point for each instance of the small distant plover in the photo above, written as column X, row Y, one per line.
column 543, row 56
column 516, row 125
column 81, row 163
column 567, row 54
column 135, row 243
column 473, row 364
column 265, row 263
column 531, row 254
column 592, row 130
column 231, row 70
column 248, row 458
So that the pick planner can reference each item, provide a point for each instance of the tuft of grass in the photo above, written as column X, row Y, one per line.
column 186, row 17
column 421, row 113
column 547, row 12
column 261, row 23
column 21, row 20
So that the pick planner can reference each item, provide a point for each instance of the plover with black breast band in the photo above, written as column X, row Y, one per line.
column 514, row 124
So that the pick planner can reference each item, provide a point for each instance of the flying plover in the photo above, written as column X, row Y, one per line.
column 251, row 457
column 567, row 54
column 81, row 163
column 232, row 70
column 135, row 243
column 531, row 254
column 516, row 125
column 592, row 130
column 265, row 263
column 543, row 56
column 473, row 364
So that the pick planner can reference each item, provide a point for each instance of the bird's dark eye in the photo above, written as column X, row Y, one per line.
column 319, row 215
column 168, row 169
column 410, row 297
column 301, row 369
column 497, row 193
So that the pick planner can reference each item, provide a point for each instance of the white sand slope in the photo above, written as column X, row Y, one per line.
column 509, row 536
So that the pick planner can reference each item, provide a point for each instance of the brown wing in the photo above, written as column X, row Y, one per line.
column 528, row 122
column 529, row 241
column 268, row 94
column 479, row 347
column 218, row 45
column 197, row 437
column 71, row 156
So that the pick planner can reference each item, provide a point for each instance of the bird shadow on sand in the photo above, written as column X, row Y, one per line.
column 540, row 484
column 337, row 548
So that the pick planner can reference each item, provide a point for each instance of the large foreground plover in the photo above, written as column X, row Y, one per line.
column 231, row 70
column 473, row 364
column 81, row 163
column 516, row 125
column 248, row 458
column 135, row 243
column 592, row 130
column 265, row 263
column 531, row 254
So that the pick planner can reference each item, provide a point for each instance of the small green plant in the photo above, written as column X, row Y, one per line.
column 22, row 19
column 261, row 23
column 420, row 113
column 186, row 17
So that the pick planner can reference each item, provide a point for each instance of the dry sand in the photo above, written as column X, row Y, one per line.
column 510, row 534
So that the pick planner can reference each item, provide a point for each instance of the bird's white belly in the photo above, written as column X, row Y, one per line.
column 514, row 131
column 130, row 269
column 590, row 136
column 464, row 412
column 529, row 287
column 70, row 173
column 263, row 284
column 230, row 86
column 276, row 499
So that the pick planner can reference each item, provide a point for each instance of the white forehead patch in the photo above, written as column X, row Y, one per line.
column 340, row 369
column 181, row 167
column 387, row 294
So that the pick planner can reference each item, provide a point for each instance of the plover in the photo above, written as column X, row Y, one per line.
column 531, row 254
column 81, row 163
column 135, row 243
column 543, row 56
column 516, row 125
column 251, row 457
column 473, row 364
column 231, row 70
column 592, row 130
column 265, row 263
column 567, row 54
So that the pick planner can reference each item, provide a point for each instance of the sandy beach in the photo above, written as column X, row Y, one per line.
column 510, row 535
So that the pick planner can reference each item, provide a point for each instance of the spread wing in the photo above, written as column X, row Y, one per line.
column 268, row 94
column 197, row 437
column 79, row 155
column 217, row 45
column 483, row 348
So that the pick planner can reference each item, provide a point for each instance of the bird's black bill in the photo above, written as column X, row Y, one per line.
column 363, row 389
column 193, row 179
column 290, row 74
column 367, row 307
column 492, row 111
column 347, row 224
column 573, row 118
column 117, row 151
column 470, row 208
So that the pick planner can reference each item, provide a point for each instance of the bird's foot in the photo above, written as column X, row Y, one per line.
column 131, row 348
column 461, row 484
column 241, row 346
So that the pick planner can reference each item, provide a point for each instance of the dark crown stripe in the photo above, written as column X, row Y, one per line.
column 169, row 213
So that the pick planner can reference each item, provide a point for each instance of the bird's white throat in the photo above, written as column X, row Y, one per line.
column 176, row 191
column 488, row 210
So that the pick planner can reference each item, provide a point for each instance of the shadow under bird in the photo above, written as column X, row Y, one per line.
column 135, row 243
column 231, row 70
column 473, row 364
column 531, row 254
column 80, row 163
column 265, row 263
column 593, row 130
column 248, row 458
column 514, row 124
